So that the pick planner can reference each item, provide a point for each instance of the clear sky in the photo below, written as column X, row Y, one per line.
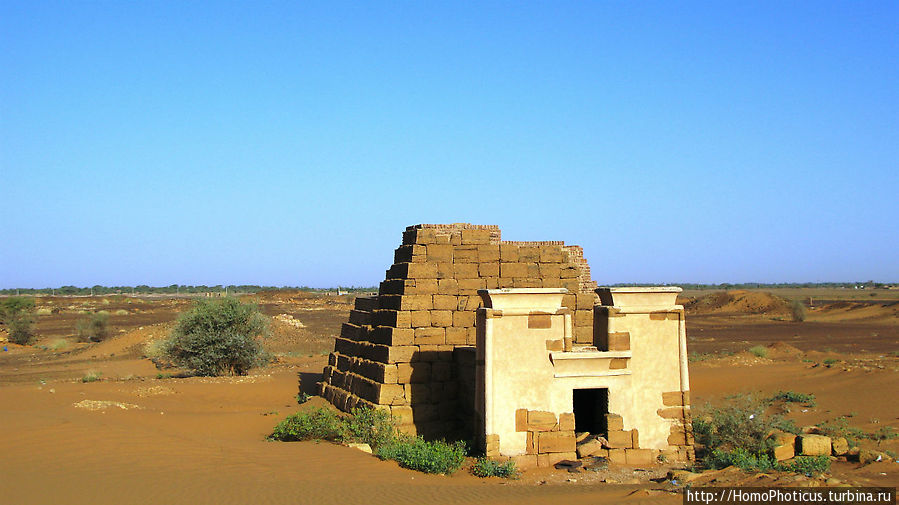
column 290, row 143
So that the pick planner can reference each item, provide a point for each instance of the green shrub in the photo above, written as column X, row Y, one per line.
column 741, row 458
column 759, row 351
column 319, row 424
column 92, row 376
column 218, row 336
column 797, row 311
column 486, row 467
column 374, row 427
column 830, row 362
column 94, row 328
column 429, row 457
column 794, row 397
column 368, row 426
column 741, row 423
column 808, row 465
column 762, row 462
column 17, row 313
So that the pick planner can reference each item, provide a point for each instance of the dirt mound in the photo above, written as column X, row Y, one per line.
column 739, row 302
column 845, row 311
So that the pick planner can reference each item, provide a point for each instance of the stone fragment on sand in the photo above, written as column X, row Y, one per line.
column 814, row 445
column 840, row 446
column 104, row 404
column 784, row 445
column 589, row 448
column 362, row 447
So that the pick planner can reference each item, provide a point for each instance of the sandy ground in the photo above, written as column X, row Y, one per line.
column 134, row 438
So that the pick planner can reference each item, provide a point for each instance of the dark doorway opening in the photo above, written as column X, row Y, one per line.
column 590, row 409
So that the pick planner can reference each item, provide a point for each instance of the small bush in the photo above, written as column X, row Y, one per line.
column 367, row 426
column 794, row 397
column 741, row 458
column 759, row 351
column 92, row 376
column 416, row 453
column 94, row 328
column 808, row 465
column 797, row 311
column 218, row 336
column 370, row 426
column 17, row 313
column 741, row 423
column 319, row 424
column 830, row 362
column 486, row 467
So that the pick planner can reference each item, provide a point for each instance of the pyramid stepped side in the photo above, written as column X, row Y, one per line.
column 398, row 351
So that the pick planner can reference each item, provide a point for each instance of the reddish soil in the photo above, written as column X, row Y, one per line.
column 198, row 440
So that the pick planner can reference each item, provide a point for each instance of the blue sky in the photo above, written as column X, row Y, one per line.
column 290, row 143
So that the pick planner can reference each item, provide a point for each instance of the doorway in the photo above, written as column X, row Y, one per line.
column 590, row 409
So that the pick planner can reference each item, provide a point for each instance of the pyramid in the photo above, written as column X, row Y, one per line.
column 410, row 349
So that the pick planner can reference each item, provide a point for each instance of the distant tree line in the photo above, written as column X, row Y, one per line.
column 173, row 289
column 764, row 285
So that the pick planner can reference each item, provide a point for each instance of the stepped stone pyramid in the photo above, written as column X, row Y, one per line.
column 410, row 349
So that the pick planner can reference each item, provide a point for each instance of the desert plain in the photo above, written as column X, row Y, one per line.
column 100, row 423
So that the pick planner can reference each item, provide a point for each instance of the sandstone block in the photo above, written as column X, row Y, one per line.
column 617, row 456
column 569, row 272
column 527, row 282
column 673, row 399
column 445, row 302
column 488, row 269
column 421, row 318
column 548, row 460
column 389, row 394
column 475, row 236
column 672, row 413
column 395, row 318
column 447, row 286
column 456, row 336
column 465, row 254
column 531, row 443
column 529, row 254
column 417, row 372
column 508, row 253
column 513, row 270
column 618, row 363
column 425, row 413
column 592, row 447
column 550, row 271
column 539, row 420
column 583, row 318
column 465, row 271
column 445, row 270
column 430, row 335
column 620, row 440
column 406, row 253
column 439, row 252
column 403, row 413
column 566, row 422
column 586, row 301
column 556, row 441
column 463, row 319
column 441, row 371
column 521, row 420
column 420, row 236
column 551, row 254
column 488, row 253
column 525, row 461
column 619, row 341
column 387, row 335
column 814, row 445
column 614, row 422
column 840, row 446
column 441, row 318
column 422, row 287
column 639, row 457
column 472, row 285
